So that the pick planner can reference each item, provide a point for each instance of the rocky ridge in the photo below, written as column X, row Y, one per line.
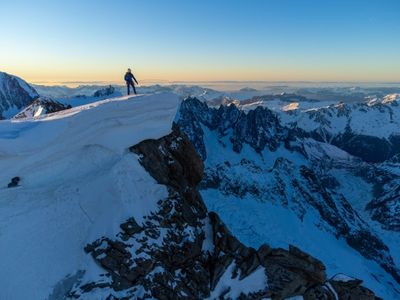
column 182, row 251
column 41, row 106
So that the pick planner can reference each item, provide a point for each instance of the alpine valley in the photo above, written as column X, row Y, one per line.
column 185, row 192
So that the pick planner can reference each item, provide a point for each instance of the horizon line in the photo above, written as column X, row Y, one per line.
column 217, row 81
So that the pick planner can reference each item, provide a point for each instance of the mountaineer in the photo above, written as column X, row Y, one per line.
column 130, row 79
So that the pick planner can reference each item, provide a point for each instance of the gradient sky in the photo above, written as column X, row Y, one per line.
column 190, row 40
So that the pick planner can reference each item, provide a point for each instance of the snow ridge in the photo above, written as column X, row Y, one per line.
column 75, row 170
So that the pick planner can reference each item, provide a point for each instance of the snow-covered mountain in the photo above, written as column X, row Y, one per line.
column 367, row 129
column 278, row 176
column 105, row 205
column 370, row 130
column 41, row 106
column 15, row 94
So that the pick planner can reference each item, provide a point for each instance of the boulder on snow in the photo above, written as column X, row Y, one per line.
column 14, row 182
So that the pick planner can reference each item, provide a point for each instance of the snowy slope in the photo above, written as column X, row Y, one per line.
column 74, row 168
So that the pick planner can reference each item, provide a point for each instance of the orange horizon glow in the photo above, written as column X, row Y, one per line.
column 115, row 76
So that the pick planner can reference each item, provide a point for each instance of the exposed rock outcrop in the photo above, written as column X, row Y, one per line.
column 14, row 182
column 386, row 210
column 260, row 128
column 41, row 106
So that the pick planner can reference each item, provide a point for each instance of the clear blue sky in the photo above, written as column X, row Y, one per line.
column 86, row 40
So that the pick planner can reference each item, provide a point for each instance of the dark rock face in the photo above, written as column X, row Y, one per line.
column 369, row 148
column 180, row 169
column 182, row 251
column 14, row 93
column 386, row 209
column 260, row 128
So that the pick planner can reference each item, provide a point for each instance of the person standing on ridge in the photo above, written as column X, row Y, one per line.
column 129, row 78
